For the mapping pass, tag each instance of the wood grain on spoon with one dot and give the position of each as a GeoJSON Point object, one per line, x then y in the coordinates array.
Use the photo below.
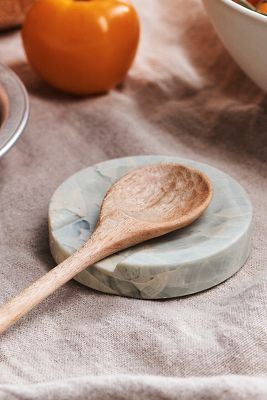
{"type": "Point", "coordinates": [147, 202]}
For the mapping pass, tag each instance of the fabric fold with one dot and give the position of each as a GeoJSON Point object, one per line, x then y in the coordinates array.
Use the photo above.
{"type": "Point", "coordinates": [128, 387]}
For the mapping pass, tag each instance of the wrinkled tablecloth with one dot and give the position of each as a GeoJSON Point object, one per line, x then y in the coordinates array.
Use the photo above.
{"type": "Point", "coordinates": [184, 96]}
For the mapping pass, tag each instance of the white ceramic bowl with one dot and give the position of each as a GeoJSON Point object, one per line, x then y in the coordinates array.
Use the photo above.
{"type": "Point", "coordinates": [244, 34]}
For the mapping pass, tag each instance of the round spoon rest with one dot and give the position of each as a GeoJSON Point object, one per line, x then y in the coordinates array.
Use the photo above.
{"type": "Point", "coordinates": [186, 261]}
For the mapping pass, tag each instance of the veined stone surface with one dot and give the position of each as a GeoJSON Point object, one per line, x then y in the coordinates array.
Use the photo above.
{"type": "Point", "coordinates": [183, 262]}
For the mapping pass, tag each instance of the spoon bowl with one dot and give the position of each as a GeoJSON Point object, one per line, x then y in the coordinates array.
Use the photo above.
{"type": "Point", "coordinates": [154, 200]}
{"type": "Point", "coordinates": [146, 203]}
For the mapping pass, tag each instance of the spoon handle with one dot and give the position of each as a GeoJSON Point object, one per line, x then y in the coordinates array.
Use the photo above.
{"type": "Point", "coordinates": [30, 297]}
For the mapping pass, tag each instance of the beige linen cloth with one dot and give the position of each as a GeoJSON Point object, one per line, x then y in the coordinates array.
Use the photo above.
{"type": "Point", "coordinates": [184, 96]}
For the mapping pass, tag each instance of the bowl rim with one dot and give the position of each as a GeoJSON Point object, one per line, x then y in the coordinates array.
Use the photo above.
{"type": "Point", "coordinates": [244, 10]}
{"type": "Point", "coordinates": [14, 108]}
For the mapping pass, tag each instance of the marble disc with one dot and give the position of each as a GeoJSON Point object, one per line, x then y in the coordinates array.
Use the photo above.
{"type": "Point", "coordinates": [186, 261]}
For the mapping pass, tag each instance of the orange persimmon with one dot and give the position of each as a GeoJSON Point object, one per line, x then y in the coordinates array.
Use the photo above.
{"type": "Point", "coordinates": [81, 46]}
{"type": "Point", "coordinates": [262, 8]}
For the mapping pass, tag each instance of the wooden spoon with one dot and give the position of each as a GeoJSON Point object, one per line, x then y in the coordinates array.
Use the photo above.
{"type": "Point", "coordinates": [147, 202]}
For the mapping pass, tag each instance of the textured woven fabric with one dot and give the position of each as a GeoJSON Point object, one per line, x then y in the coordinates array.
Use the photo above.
{"type": "Point", "coordinates": [184, 96]}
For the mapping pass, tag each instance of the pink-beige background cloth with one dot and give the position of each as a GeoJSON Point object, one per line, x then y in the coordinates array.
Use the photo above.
{"type": "Point", "coordinates": [184, 96]}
